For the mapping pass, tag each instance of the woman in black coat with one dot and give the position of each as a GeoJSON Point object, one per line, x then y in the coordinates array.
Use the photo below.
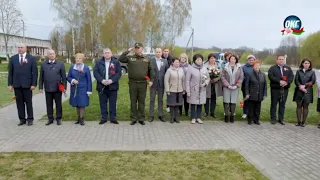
{"type": "Point", "coordinates": [303, 93]}
{"type": "Point", "coordinates": [256, 92]}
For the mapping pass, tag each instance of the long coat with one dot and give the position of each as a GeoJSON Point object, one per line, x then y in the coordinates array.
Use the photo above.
{"type": "Point", "coordinates": [196, 76]}
{"type": "Point", "coordinates": [217, 85]}
{"type": "Point", "coordinates": [256, 86]}
{"type": "Point", "coordinates": [229, 77]}
{"type": "Point", "coordinates": [84, 87]}
{"type": "Point", "coordinates": [307, 78]}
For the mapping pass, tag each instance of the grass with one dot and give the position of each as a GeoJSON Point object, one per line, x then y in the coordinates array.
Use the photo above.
{"type": "Point", "coordinates": [6, 96]}
{"type": "Point", "coordinates": [128, 165]}
{"type": "Point", "coordinates": [123, 107]}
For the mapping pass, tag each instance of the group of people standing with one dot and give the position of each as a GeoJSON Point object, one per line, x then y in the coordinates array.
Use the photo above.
{"type": "Point", "coordinates": [188, 86]}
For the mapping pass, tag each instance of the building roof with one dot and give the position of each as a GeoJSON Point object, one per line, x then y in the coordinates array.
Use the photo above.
{"type": "Point", "coordinates": [27, 37]}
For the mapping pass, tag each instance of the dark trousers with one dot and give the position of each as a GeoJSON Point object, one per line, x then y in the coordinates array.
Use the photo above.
{"type": "Point", "coordinates": [196, 110]}
{"type": "Point", "coordinates": [275, 100]}
{"type": "Point", "coordinates": [185, 104]}
{"type": "Point", "coordinates": [108, 96]}
{"type": "Point", "coordinates": [23, 101]}
{"type": "Point", "coordinates": [138, 92]}
{"type": "Point", "coordinates": [254, 109]}
{"type": "Point", "coordinates": [245, 103]}
{"type": "Point", "coordinates": [153, 93]}
{"type": "Point", "coordinates": [56, 97]}
{"type": "Point", "coordinates": [211, 102]}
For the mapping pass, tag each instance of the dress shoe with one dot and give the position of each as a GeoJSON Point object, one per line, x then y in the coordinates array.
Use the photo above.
{"type": "Point", "coordinates": [133, 122]}
{"type": "Point", "coordinates": [213, 115]}
{"type": "Point", "coordinates": [303, 125]}
{"type": "Point", "coordinates": [22, 123]}
{"type": "Point", "coordinates": [176, 120]}
{"type": "Point", "coordinates": [257, 123]}
{"type": "Point", "coordinates": [30, 123]}
{"type": "Point", "coordinates": [206, 115]}
{"type": "Point", "coordinates": [172, 120]}
{"type": "Point", "coordinates": [151, 119]}
{"type": "Point", "coordinates": [298, 124]}
{"type": "Point", "coordinates": [281, 122]}
{"type": "Point", "coordinates": [162, 119]}
{"type": "Point", "coordinates": [49, 122]}
{"type": "Point", "coordinates": [58, 122]}
{"type": "Point", "coordinates": [102, 122]}
{"type": "Point", "coordinates": [273, 122]}
{"type": "Point", "coordinates": [249, 122]}
{"type": "Point", "coordinates": [142, 123]}
{"type": "Point", "coordinates": [114, 122]}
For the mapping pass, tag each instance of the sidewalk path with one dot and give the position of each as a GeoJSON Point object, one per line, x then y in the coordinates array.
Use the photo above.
{"type": "Point", "coordinates": [279, 152]}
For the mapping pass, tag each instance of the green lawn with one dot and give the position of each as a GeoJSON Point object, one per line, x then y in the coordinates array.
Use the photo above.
{"type": "Point", "coordinates": [128, 165]}
{"type": "Point", "coordinates": [6, 96]}
{"type": "Point", "coordinates": [123, 105]}
{"type": "Point", "coordinates": [3, 67]}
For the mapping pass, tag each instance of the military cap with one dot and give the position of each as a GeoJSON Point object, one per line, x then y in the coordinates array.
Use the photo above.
{"type": "Point", "coordinates": [138, 45]}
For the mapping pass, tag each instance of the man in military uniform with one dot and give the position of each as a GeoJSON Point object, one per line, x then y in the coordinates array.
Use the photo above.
{"type": "Point", "coordinates": [139, 66]}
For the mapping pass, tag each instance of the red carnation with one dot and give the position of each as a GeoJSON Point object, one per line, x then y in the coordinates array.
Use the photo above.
{"type": "Point", "coordinates": [241, 104]}
{"type": "Point", "coordinates": [285, 78]}
{"type": "Point", "coordinates": [237, 81]}
{"type": "Point", "coordinates": [309, 84]}
{"type": "Point", "coordinates": [147, 78]}
{"type": "Point", "coordinates": [80, 70]}
{"type": "Point", "coordinates": [14, 97]}
{"type": "Point", "coordinates": [112, 72]}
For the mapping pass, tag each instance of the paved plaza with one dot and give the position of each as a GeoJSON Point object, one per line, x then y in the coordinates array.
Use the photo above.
{"type": "Point", "coordinates": [279, 152]}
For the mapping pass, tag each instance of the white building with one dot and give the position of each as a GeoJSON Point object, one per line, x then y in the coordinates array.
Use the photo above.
{"type": "Point", "coordinates": [36, 47]}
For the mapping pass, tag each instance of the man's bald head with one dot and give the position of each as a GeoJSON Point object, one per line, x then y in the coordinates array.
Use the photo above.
{"type": "Point", "coordinates": [22, 48]}
{"type": "Point", "coordinates": [51, 54]}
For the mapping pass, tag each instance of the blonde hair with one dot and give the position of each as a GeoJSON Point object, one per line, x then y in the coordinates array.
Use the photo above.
{"type": "Point", "coordinates": [80, 55]}
{"type": "Point", "coordinates": [185, 56]}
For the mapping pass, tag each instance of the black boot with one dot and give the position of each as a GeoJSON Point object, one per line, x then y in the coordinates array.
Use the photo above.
{"type": "Point", "coordinates": [226, 119]}
{"type": "Point", "coordinates": [172, 114]}
{"type": "Point", "coordinates": [78, 120]}
{"type": "Point", "coordinates": [176, 119]}
{"type": "Point", "coordinates": [81, 122]}
{"type": "Point", "coordinates": [232, 118]}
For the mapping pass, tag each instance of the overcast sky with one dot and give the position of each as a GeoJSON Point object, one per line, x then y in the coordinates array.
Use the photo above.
{"type": "Point", "coordinates": [222, 23]}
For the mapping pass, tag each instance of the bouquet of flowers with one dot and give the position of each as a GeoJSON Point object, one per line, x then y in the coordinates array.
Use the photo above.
{"type": "Point", "coordinates": [213, 73]}
{"type": "Point", "coordinates": [283, 78]}
{"type": "Point", "coordinates": [62, 89]}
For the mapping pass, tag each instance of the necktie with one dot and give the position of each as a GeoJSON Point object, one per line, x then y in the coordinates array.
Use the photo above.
{"type": "Point", "coordinates": [281, 70]}
{"type": "Point", "coordinates": [21, 59]}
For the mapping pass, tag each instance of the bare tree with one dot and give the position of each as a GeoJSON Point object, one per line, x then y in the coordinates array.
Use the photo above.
{"type": "Point", "coordinates": [10, 20]}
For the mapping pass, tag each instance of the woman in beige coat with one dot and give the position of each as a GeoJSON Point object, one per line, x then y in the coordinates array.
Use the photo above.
{"type": "Point", "coordinates": [174, 87]}
{"type": "Point", "coordinates": [231, 77]}
{"type": "Point", "coordinates": [197, 79]}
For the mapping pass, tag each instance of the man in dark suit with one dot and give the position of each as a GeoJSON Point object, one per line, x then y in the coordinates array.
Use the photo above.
{"type": "Point", "coordinates": [22, 78]}
{"type": "Point", "coordinates": [107, 72]}
{"type": "Point", "coordinates": [166, 55]}
{"type": "Point", "coordinates": [159, 68]}
{"type": "Point", "coordinates": [52, 73]}
{"type": "Point", "coordinates": [281, 77]}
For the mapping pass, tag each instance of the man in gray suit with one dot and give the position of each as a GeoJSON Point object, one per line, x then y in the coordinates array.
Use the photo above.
{"type": "Point", "coordinates": [52, 74]}
{"type": "Point", "coordinates": [160, 67]}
